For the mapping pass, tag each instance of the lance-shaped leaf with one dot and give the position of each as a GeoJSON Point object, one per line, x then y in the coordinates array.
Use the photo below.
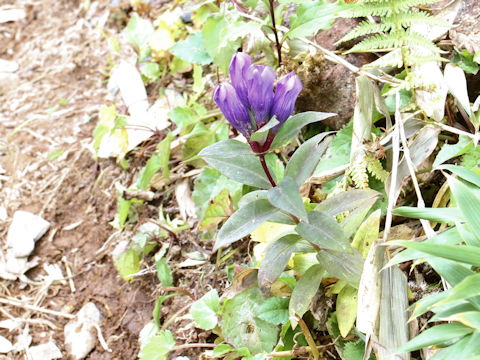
{"type": "Point", "coordinates": [286, 196]}
{"type": "Point", "coordinates": [343, 265]}
{"type": "Point", "coordinates": [346, 309]}
{"type": "Point", "coordinates": [443, 215]}
{"type": "Point", "coordinates": [345, 201]}
{"type": "Point", "coordinates": [323, 231]}
{"type": "Point", "coordinates": [243, 222]}
{"type": "Point", "coordinates": [276, 258]}
{"type": "Point", "coordinates": [294, 123]}
{"type": "Point", "coordinates": [306, 158]}
{"type": "Point", "coordinates": [467, 201]}
{"type": "Point", "coordinates": [304, 292]}
{"type": "Point", "coordinates": [226, 149]}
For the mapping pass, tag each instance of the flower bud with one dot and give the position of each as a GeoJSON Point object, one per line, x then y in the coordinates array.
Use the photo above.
{"type": "Point", "coordinates": [232, 108]}
{"type": "Point", "coordinates": [238, 70]}
{"type": "Point", "coordinates": [260, 81]}
{"type": "Point", "coordinates": [288, 89]}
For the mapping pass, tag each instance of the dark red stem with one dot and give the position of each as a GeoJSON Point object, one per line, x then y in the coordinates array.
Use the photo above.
{"type": "Point", "coordinates": [265, 168]}
{"type": "Point", "coordinates": [274, 28]}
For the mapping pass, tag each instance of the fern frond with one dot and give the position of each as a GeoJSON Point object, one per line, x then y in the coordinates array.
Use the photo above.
{"type": "Point", "coordinates": [372, 9]}
{"type": "Point", "coordinates": [375, 168]}
{"type": "Point", "coordinates": [393, 59]}
{"type": "Point", "coordinates": [365, 28]}
{"type": "Point", "coordinates": [412, 17]}
{"type": "Point", "coordinates": [358, 173]}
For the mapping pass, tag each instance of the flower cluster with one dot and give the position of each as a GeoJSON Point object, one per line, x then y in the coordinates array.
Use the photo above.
{"type": "Point", "coordinates": [249, 102]}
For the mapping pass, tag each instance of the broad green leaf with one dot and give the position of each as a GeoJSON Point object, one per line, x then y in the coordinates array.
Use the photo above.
{"type": "Point", "coordinates": [241, 325]}
{"type": "Point", "coordinates": [436, 335]}
{"type": "Point", "coordinates": [158, 161]}
{"type": "Point", "coordinates": [425, 304]}
{"type": "Point", "coordinates": [209, 184]}
{"type": "Point", "coordinates": [465, 61]}
{"type": "Point", "coordinates": [465, 254]}
{"type": "Point", "coordinates": [219, 209]}
{"type": "Point", "coordinates": [286, 197]}
{"type": "Point", "coordinates": [276, 258]}
{"type": "Point", "coordinates": [204, 310]}
{"type": "Point", "coordinates": [138, 31]}
{"type": "Point", "coordinates": [185, 119]}
{"type": "Point", "coordinates": [221, 349]}
{"type": "Point", "coordinates": [468, 203]}
{"type": "Point", "coordinates": [312, 17]}
{"type": "Point", "coordinates": [345, 201]}
{"type": "Point", "coordinates": [445, 311]}
{"type": "Point", "coordinates": [456, 351]}
{"type": "Point", "coordinates": [323, 231]}
{"type": "Point", "coordinates": [356, 217]}
{"type": "Point", "coordinates": [157, 347]}
{"type": "Point", "coordinates": [243, 222]}
{"type": "Point", "coordinates": [304, 292]}
{"type": "Point", "coordinates": [338, 153]}
{"type": "Point", "coordinates": [294, 123]}
{"type": "Point", "coordinates": [342, 265]}
{"type": "Point", "coordinates": [450, 151]}
{"type": "Point", "coordinates": [367, 233]}
{"type": "Point", "coordinates": [467, 288]}
{"type": "Point", "coordinates": [443, 215]}
{"type": "Point", "coordinates": [305, 159]}
{"type": "Point", "coordinates": [199, 138]}
{"type": "Point", "coordinates": [346, 309]}
{"type": "Point", "coordinates": [127, 264]}
{"type": "Point", "coordinates": [151, 71]}
{"type": "Point", "coordinates": [192, 49]}
{"type": "Point", "coordinates": [274, 310]}
{"type": "Point", "coordinates": [164, 273]}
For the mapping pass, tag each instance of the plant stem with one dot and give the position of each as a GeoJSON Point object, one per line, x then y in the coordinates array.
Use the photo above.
{"type": "Point", "coordinates": [274, 28]}
{"type": "Point", "coordinates": [265, 168]}
{"type": "Point", "coordinates": [309, 338]}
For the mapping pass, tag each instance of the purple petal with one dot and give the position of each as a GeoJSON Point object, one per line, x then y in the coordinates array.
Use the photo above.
{"type": "Point", "coordinates": [235, 112]}
{"type": "Point", "coordinates": [238, 69]}
{"type": "Point", "coordinates": [288, 89]}
{"type": "Point", "coordinates": [260, 81]}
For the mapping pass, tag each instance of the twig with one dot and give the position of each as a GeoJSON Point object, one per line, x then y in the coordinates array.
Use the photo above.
{"type": "Point", "coordinates": [190, 346]}
{"type": "Point", "coordinates": [69, 274]}
{"type": "Point", "coordinates": [101, 338]}
{"type": "Point", "coordinates": [309, 338]}
{"type": "Point", "coordinates": [36, 308]}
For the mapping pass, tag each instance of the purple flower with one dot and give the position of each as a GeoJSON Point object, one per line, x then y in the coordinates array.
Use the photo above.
{"type": "Point", "coordinates": [239, 66]}
{"type": "Point", "coordinates": [249, 102]}
{"type": "Point", "coordinates": [235, 112]}
{"type": "Point", "coordinates": [260, 81]}
{"type": "Point", "coordinates": [288, 89]}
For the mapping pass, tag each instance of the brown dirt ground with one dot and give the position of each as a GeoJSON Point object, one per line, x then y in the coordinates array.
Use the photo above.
{"type": "Point", "coordinates": [61, 54]}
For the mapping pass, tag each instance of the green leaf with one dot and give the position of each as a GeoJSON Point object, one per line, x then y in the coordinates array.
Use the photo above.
{"type": "Point", "coordinates": [467, 288]}
{"type": "Point", "coordinates": [346, 309]}
{"type": "Point", "coordinates": [241, 325]}
{"type": "Point", "coordinates": [243, 222]}
{"type": "Point", "coordinates": [158, 306]}
{"type": "Point", "coordinates": [151, 71]}
{"type": "Point", "coordinates": [274, 310]}
{"type": "Point", "coordinates": [209, 184]}
{"type": "Point", "coordinates": [436, 335]}
{"type": "Point", "coordinates": [204, 310]}
{"type": "Point", "coordinates": [465, 254]}
{"type": "Point", "coordinates": [367, 233]}
{"type": "Point", "coordinates": [286, 197]}
{"type": "Point", "coordinates": [468, 202]}
{"type": "Point", "coordinates": [345, 201]}
{"type": "Point", "coordinates": [127, 263]}
{"type": "Point", "coordinates": [261, 134]}
{"type": "Point", "coordinates": [221, 349]}
{"type": "Point", "coordinates": [442, 215]}
{"type": "Point", "coordinates": [158, 161]}
{"type": "Point", "coordinates": [338, 153]}
{"type": "Point", "coordinates": [219, 209]}
{"type": "Point", "coordinates": [304, 292]}
{"type": "Point", "coordinates": [138, 31]}
{"type": "Point", "coordinates": [465, 61]}
{"type": "Point", "coordinates": [342, 265]}
{"type": "Point", "coordinates": [294, 123]}
{"type": "Point", "coordinates": [450, 151]}
{"type": "Point", "coordinates": [463, 173]}
{"type": "Point", "coordinates": [164, 273]}
{"type": "Point", "coordinates": [312, 17]}
{"type": "Point", "coordinates": [157, 347]}
{"type": "Point", "coordinates": [305, 159]}
{"type": "Point", "coordinates": [276, 257]}
{"type": "Point", "coordinates": [323, 231]}
{"type": "Point", "coordinates": [192, 49]}
{"type": "Point", "coordinates": [355, 218]}
{"type": "Point", "coordinates": [199, 138]}
{"type": "Point", "coordinates": [184, 117]}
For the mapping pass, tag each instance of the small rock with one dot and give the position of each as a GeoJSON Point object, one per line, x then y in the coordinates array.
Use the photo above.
{"type": "Point", "coordinates": [46, 351]}
{"type": "Point", "coordinates": [80, 333]}
{"type": "Point", "coordinates": [26, 228]}
{"type": "Point", "coordinates": [8, 82]}
{"type": "Point", "coordinates": [5, 345]}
